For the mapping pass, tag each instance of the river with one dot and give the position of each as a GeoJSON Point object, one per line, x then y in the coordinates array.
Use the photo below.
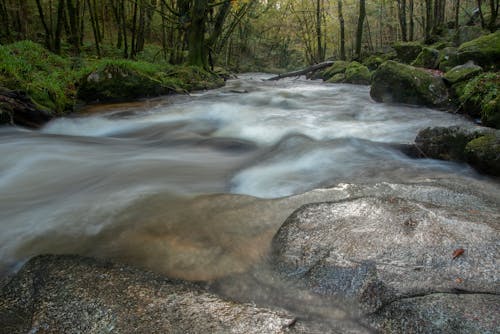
{"type": "Point", "coordinates": [196, 186]}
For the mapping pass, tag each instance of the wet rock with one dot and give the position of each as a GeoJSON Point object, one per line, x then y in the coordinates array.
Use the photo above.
{"type": "Point", "coordinates": [400, 83]}
{"type": "Point", "coordinates": [338, 67]}
{"type": "Point", "coordinates": [71, 294]}
{"type": "Point", "coordinates": [484, 51]}
{"type": "Point", "coordinates": [428, 58]}
{"type": "Point", "coordinates": [394, 256]}
{"type": "Point", "coordinates": [441, 313]}
{"type": "Point", "coordinates": [337, 78]}
{"type": "Point", "coordinates": [407, 52]}
{"type": "Point", "coordinates": [484, 153]}
{"type": "Point", "coordinates": [17, 108]}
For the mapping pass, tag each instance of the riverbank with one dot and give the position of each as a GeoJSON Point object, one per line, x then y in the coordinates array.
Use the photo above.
{"type": "Point", "coordinates": [55, 86]}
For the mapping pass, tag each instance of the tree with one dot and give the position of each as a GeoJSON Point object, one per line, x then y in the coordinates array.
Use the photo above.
{"type": "Point", "coordinates": [359, 30]}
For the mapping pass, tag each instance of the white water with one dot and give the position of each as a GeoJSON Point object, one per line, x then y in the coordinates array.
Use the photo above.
{"type": "Point", "coordinates": [137, 181]}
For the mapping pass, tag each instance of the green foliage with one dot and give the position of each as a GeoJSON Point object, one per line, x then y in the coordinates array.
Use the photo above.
{"type": "Point", "coordinates": [46, 77]}
{"type": "Point", "coordinates": [481, 97]}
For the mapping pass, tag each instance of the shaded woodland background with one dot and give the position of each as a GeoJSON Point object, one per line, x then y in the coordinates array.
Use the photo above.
{"type": "Point", "coordinates": [241, 35]}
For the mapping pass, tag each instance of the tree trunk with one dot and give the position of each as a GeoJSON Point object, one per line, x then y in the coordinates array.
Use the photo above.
{"type": "Point", "coordinates": [48, 32]}
{"type": "Point", "coordinates": [93, 21]}
{"type": "Point", "coordinates": [428, 20]}
{"type": "Point", "coordinates": [359, 30]}
{"type": "Point", "coordinates": [402, 19]}
{"type": "Point", "coordinates": [494, 15]}
{"type": "Point", "coordinates": [197, 55]}
{"type": "Point", "coordinates": [319, 49]}
{"type": "Point", "coordinates": [342, 30]}
{"type": "Point", "coordinates": [312, 68]}
{"type": "Point", "coordinates": [59, 26]}
{"type": "Point", "coordinates": [4, 15]}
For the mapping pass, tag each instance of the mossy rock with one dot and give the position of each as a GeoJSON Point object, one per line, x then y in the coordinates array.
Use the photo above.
{"type": "Point", "coordinates": [445, 143]}
{"type": "Point", "coordinates": [484, 51]}
{"type": "Point", "coordinates": [373, 62]}
{"type": "Point", "coordinates": [462, 73]}
{"type": "Point", "coordinates": [484, 153]}
{"type": "Point", "coordinates": [337, 67]}
{"type": "Point", "coordinates": [480, 98]}
{"type": "Point", "coordinates": [120, 81]}
{"type": "Point", "coordinates": [466, 34]}
{"type": "Point", "coordinates": [357, 73]}
{"type": "Point", "coordinates": [428, 58]}
{"type": "Point", "coordinates": [448, 59]}
{"type": "Point", "coordinates": [337, 78]}
{"type": "Point", "coordinates": [407, 52]}
{"type": "Point", "coordinates": [399, 83]}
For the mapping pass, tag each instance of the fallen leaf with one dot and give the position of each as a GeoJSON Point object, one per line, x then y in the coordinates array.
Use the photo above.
{"type": "Point", "coordinates": [457, 252]}
{"type": "Point", "coordinates": [458, 280]}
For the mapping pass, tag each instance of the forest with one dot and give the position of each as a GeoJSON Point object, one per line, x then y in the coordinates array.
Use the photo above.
{"type": "Point", "coordinates": [240, 35]}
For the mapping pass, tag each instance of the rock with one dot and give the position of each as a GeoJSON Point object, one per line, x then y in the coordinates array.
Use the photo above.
{"type": "Point", "coordinates": [373, 62]}
{"type": "Point", "coordinates": [357, 74]}
{"type": "Point", "coordinates": [428, 58]}
{"type": "Point", "coordinates": [484, 51]}
{"type": "Point", "coordinates": [72, 294]}
{"type": "Point", "coordinates": [400, 83]}
{"type": "Point", "coordinates": [468, 33]}
{"type": "Point", "coordinates": [394, 255]}
{"type": "Point", "coordinates": [480, 147]}
{"type": "Point", "coordinates": [446, 143]}
{"type": "Point", "coordinates": [462, 73]}
{"type": "Point", "coordinates": [17, 108]}
{"type": "Point", "coordinates": [440, 313]}
{"type": "Point", "coordinates": [338, 66]}
{"type": "Point", "coordinates": [484, 153]}
{"type": "Point", "coordinates": [337, 78]}
{"type": "Point", "coordinates": [407, 51]}
{"type": "Point", "coordinates": [480, 97]}
{"type": "Point", "coordinates": [448, 59]}
{"type": "Point", "coordinates": [119, 82]}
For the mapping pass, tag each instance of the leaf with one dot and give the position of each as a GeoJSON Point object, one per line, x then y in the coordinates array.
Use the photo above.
{"type": "Point", "coordinates": [457, 252]}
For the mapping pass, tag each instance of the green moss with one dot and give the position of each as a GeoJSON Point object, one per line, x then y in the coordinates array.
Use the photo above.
{"type": "Point", "coordinates": [462, 73]}
{"type": "Point", "coordinates": [337, 78]}
{"type": "Point", "coordinates": [428, 58]}
{"type": "Point", "coordinates": [46, 77]}
{"type": "Point", "coordinates": [407, 51]}
{"type": "Point", "coordinates": [484, 153]}
{"type": "Point", "coordinates": [396, 82]}
{"type": "Point", "coordinates": [357, 74]}
{"type": "Point", "coordinates": [481, 98]}
{"type": "Point", "coordinates": [337, 67]}
{"type": "Point", "coordinates": [373, 62]}
{"type": "Point", "coordinates": [484, 51]}
{"type": "Point", "coordinates": [448, 59]}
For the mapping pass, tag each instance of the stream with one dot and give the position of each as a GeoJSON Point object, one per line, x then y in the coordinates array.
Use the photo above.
{"type": "Point", "coordinates": [196, 186]}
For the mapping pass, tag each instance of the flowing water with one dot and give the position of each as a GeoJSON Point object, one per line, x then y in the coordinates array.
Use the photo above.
{"type": "Point", "coordinates": [196, 186]}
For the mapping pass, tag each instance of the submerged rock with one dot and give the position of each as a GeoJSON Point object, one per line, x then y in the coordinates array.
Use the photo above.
{"type": "Point", "coordinates": [71, 294]}
{"type": "Point", "coordinates": [395, 256]}
{"type": "Point", "coordinates": [400, 83]}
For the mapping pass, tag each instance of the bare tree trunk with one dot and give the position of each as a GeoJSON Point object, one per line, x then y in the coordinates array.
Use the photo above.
{"type": "Point", "coordinates": [359, 30]}
{"type": "Point", "coordinates": [93, 21]}
{"type": "Point", "coordinates": [48, 32]}
{"type": "Point", "coordinates": [342, 30]}
{"type": "Point", "coordinates": [428, 20]}
{"type": "Point", "coordinates": [319, 49]}
{"type": "Point", "coordinates": [412, 20]}
{"type": "Point", "coordinates": [59, 26]}
{"type": "Point", "coordinates": [494, 15]}
{"type": "Point", "coordinates": [402, 19]}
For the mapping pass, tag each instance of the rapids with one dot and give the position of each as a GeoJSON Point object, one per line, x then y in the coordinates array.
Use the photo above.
{"type": "Point", "coordinates": [196, 186]}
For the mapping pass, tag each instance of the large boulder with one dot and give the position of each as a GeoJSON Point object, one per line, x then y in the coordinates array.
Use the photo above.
{"type": "Point", "coordinates": [462, 73]}
{"type": "Point", "coordinates": [357, 73]}
{"type": "Point", "coordinates": [480, 147]}
{"type": "Point", "coordinates": [428, 58]}
{"type": "Point", "coordinates": [18, 109]}
{"type": "Point", "coordinates": [407, 52]}
{"type": "Point", "coordinates": [468, 33]}
{"type": "Point", "coordinates": [71, 294]}
{"type": "Point", "coordinates": [480, 97]}
{"type": "Point", "coordinates": [448, 59]}
{"type": "Point", "coordinates": [400, 83]}
{"type": "Point", "coordinates": [484, 51]}
{"type": "Point", "coordinates": [338, 67]}
{"type": "Point", "coordinates": [403, 258]}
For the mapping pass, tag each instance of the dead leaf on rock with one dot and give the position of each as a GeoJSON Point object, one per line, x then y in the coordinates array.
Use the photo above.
{"type": "Point", "coordinates": [457, 252]}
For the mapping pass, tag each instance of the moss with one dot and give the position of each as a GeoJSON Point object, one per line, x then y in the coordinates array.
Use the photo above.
{"type": "Point", "coordinates": [357, 74]}
{"type": "Point", "coordinates": [428, 58]}
{"type": "Point", "coordinates": [484, 51]}
{"type": "Point", "coordinates": [337, 67]}
{"type": "Point", "coordinates": [46, 77]}
{"type": "Point", "coordinates": [407, 51]}
{"type": "Point", "coordinates": [395, 82]}
{"type": "Point", "coordinates": [373, 62]}
{"type": "Point", "coordinates": [337, 78]}
{"type": "Point", "coordinates": [462, 73]}
{"type": "Point", "coordinates": [481, 98]}
{"type": "Point", "coordinates": [484, 153]}
{"type": "Point", "coordinates": [448, 59]}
